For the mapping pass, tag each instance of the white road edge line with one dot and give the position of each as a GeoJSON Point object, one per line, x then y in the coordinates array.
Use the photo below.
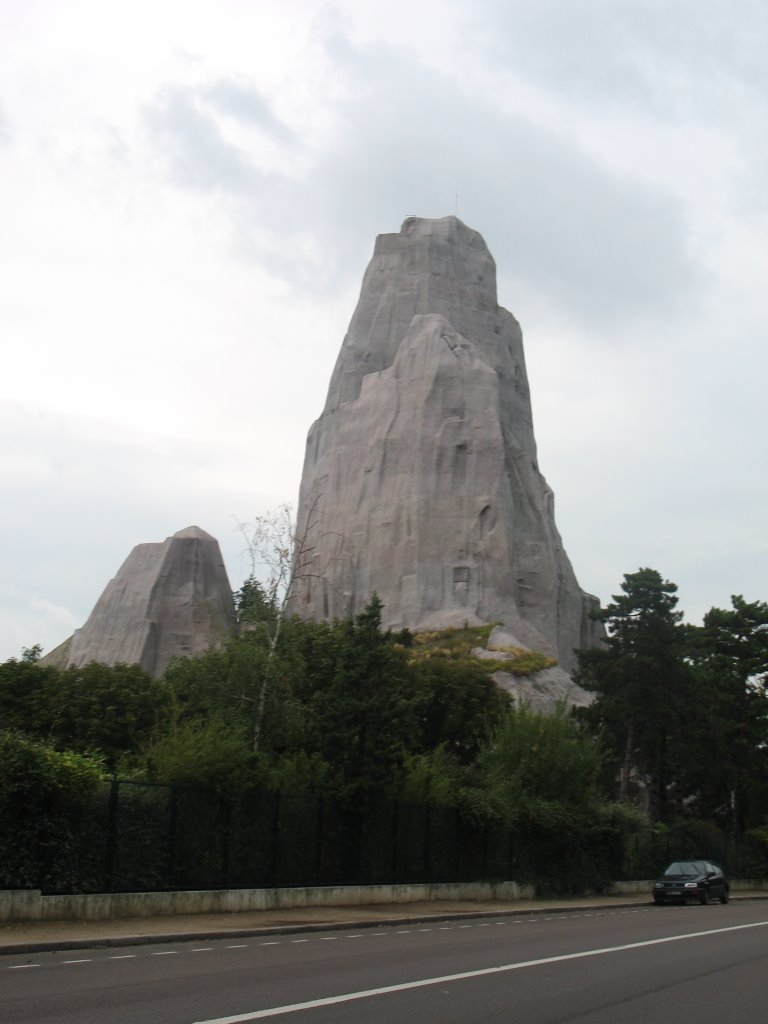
{"type": "Point", "coordinates": [347, 997]}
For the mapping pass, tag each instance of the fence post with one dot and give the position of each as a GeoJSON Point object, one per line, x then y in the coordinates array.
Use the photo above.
{"type": "Point", "coordinates": [173, 824]}
{"type": "Point", "coordinates": [427, 836]}
{"type": "Point", "coordinates": [275, 839]}
{"type": "Point", "coordinates": [395, 839]}
{"type": "Point", "coordinates": [226, 832]}
{"type": "Point", "coordinates": [110, 858]}
{"type": "Point", "coordinates": [319, 841]}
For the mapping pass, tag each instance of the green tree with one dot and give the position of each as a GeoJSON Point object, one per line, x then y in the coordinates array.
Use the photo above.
{"type": "Point", "coordinates": [100, 708]}
{"type": "Point", "coordinates": [364, 721]}
{"type": "Point", "coordinates": [205, 753]}
{"type": "Point", "coordinates": [255, 608]}
{"type": "Point", "coordinates": [643, 687]}
{"type": "Point", "coordinates": [288, 556]}
{"type": "Point", "coordinates": [726, 774]}
{"type": "Point", "coordinates": [48, 800]}
{"type": "Point", "coordinates": [541, 770]}
{"type": "Point", "coordinates": [228, 683]}
{"type": "Point", "coordinates": [459, 704]}
{"type": "Point", "coordinates": [22, 687]}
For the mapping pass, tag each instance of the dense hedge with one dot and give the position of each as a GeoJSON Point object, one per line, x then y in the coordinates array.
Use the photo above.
{"type": "Point", "coordinates": [128, 836]}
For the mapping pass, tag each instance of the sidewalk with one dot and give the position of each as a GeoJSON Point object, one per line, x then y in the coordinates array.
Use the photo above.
{"type": "Point", "coordinates": [39, 936]}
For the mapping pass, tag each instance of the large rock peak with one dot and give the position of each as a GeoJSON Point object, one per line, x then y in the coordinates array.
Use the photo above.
{"type": "Point", "coordinates": [168, 599]}
{"type": "Point", "coordinates": [430, 266]}
{"type": "Point", "coordinates": [420, 478]}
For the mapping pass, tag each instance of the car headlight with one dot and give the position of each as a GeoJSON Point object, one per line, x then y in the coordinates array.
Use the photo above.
{"type": "Point", "coordinates": [691, 885]}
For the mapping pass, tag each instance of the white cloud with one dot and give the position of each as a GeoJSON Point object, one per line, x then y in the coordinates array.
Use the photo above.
{"type": "Point", "coordinates": [191, 192]}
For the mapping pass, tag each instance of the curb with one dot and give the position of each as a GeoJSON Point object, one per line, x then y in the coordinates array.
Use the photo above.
{"type": "Point", "coordinates": [47, 946]}
{"type": "Point", "coordinates": [54, 945]}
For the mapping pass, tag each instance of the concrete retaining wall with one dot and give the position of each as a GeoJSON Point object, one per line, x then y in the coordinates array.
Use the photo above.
{"type": "Point", "coordinates": [33, 906]}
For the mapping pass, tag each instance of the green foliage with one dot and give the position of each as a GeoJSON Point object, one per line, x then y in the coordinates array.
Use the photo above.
{"type": "Point", "coordinates": [204, 753]}
{"type": "Point", "coordinates": [31, 654]}
{"type": "Point", "coordinates": [46, 795]}
{"type": "Point", "coordinates": [224, 681]}
{"type": "Point", "coordinates": [683, 706]}
{"type": "Point", "coordinates": [110, 709]}
{"type": "Point", "coordinates": [431, 778]}
{"type": "Point", "coordinates": [459, 644]}
{"type": "Point", "coordinates": [364, 719]}
{"type": "Point", "coordinates": [35, 770]}
{"type": "Point", "coordinates": [298, 774]}
{"type": "Point", "coordinates": [541, 770]}
{"type": "Point", "coordinates": [451, 641]}
{"type": "Point", "coordinates": [729, 660]}
{"type": "Point", "coordinates": [458, 704]}
{"type": "Point", "coordinates": [376, 726]}
{"type": "Point", "coordinates": [254, 607]}
{"type": "Point", "coordinates": [643, 685]}
{"type": "Point", "coordinates": [23, 685]}
{"type": "Point", "coordinates": [525, 663]}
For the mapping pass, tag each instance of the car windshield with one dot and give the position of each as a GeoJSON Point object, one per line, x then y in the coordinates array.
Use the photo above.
{"type": "Point", "coordinates": [686, 867]}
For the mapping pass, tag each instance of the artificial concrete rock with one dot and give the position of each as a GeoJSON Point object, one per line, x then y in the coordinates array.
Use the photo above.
{"type": "Point", "coordinates": [167, 600]}
{"type": "Point", "coordinates": [421, 480]}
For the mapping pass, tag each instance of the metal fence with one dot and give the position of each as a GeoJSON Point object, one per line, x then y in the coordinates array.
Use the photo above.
{"type": "Point", "coordinates": [141, 837]}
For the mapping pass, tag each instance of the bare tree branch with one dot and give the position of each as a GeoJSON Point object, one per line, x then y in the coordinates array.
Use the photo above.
{"type": "Point", "coordinates": [273, 543]}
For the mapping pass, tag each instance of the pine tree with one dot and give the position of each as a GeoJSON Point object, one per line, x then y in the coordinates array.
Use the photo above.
{"type": "Point", "coordinates": [642, 684]}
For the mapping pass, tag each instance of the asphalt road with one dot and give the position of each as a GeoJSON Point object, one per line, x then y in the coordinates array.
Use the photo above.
{"type": "Point", "coordinates": [644, 964]}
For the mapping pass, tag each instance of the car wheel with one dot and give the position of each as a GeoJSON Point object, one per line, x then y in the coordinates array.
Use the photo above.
{"type": "Point", "coordinates": [658, 901]}
{"type": "Point", "coordinates": [725, 895]}
{"type": "Point", "coordinates": [705, 898]}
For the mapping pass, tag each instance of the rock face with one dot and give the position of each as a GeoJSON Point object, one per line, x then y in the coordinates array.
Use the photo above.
{"type": "Point", "coordinates": [420, 478]}
{"type": "Point", "coordinates": [168, 599]}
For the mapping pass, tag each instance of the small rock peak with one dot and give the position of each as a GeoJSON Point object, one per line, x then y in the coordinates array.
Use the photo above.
{"type": "Point", "coordinates": [168, 599]}
{"type": "Point", "coordinates": [192, 533]}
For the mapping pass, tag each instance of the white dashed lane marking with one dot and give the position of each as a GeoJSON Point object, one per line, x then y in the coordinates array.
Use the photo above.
{"type": "Point", "coordinates": [372, 933]}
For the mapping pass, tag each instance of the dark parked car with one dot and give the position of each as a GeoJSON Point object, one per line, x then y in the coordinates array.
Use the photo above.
{"type": "Point", "coordinates": [691, 880]}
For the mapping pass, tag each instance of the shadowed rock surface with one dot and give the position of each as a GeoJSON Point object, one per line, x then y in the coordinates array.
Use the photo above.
{"type": "Point", "coordinates": [167, 600]}
{"type": "Point", "coordinates": [420, 479]}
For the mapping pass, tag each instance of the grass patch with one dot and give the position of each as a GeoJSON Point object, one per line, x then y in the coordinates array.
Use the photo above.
{"type": "Point", "coordinates": [458, 643]}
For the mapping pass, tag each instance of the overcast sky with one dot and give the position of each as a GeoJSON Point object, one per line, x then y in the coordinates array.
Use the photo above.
{"type": "Point", "coordinates": [190, 193]}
